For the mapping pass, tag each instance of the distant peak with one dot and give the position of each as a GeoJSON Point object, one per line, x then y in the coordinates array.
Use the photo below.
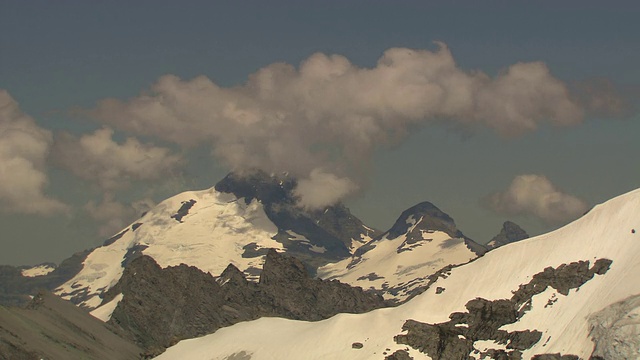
{"type": "Point", "coordinates": [510, 232]}
{"type": "Point", "coordinates": [428, 216]}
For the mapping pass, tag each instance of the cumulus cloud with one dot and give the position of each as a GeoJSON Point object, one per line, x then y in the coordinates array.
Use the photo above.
{"type": "Point", "coordinates": [97, 157]}
{"type": "Point", "coordinates": [321, 189]}
{"type": "Point", "coordinates": [330, 114]}
{"type": "Point", "coordinates": [535, 195]}
{"type": "Point", "coordinates": [24, 148]}
{"type": "Point", "coordinates": [112, 216]}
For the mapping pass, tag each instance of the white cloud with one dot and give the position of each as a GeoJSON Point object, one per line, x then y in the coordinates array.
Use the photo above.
{"type": "Point", "coordinates": [322, 189]}
{"type": "Point", "coordinates": [535, 195]}
{"type": "Point", "coordinates": [97, 157]}
{"type": "Point", "coordinates": [24, 148]}
{"type": "Point", "coordinates": [331, 114]}
{"type": "Point", "coordinates": [112, 216]}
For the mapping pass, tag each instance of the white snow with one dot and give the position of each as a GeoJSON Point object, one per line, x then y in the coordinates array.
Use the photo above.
{"type": "Point", "coordinates": [409, 268]}
{"type": "Point", "coordinates": [364, 238]}
{"type": "Point", "coordinates": [294, 236]}
{"type": "Point", "coordinates": [104, 312]}
{"type": "Point", "coordinates": [605, 232]}
{"type": "Point", "coordinates": [209, 237]}
{"type": "Point", "coordinates": [39, 270]}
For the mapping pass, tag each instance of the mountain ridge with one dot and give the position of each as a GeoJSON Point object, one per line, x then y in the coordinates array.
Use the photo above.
{"type": "Point", "coordinates": [571, 321]}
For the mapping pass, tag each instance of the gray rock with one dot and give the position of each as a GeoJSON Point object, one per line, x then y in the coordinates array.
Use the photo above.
{"type": "Point", "coordinates": [184, 210]}
{"type": "Point", "coordinates": [163, 306]}
{"type": "Point", "coordinates": [484, 318]}
{"type": "Point", "coordinates": [52, 328]}
{"type": "Point", "coordinates": [615, 330]}
{"type": "Point", "coordinates": [509, 233]}
{"type": "Point", "coordinates": [399, 355]}
{"type": "Point", "coordinates": [557, 356]}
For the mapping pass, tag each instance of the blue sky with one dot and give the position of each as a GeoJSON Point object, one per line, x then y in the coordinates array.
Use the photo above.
{"type": "Point", "coordinates": [59, 60]}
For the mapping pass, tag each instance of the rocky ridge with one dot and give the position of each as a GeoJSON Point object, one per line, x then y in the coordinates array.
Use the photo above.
{"type": "Point", "coordinates": [455, 338]}
{"type": "Point", "coordinates": [161, 306]}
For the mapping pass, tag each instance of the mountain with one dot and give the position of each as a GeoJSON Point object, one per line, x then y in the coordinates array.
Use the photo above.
{"type": "Point", "coordinates": [510, 232]}
{"type": "Point", "coordinates": [18, 283]}
{"type": "Point", "coordinates": [400, 262]}
{"type": "Point", "coordinates": [157, 307]}
{"type": "Point", "coordinates": [572, 293]}
{"type": "Point", "coordinates": [51, 328]}
{"type": "Point", "coordinates": [235, 222]}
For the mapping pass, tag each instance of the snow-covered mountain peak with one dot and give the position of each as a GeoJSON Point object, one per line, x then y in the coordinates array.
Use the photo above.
{"type": "Point", "coordinates": [423, 216]}
{"type": "Point", "coordinates": [206, 229]}
{"type": "Point", "coordinates": [235, 222]}
{"type": "Point", "coordinates": [398, 263]}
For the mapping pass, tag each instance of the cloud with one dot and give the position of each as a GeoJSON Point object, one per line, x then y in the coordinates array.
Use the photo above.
{"type": "Point", "coordinates": [330, 114]}
{"type": "Point", "coordinates": [112, 216]}
{"type": "Point", "coordinates": [321, 189]}
{"type": "Point", "coordinates": [24, 148]}
{"type": "Point", "coordinates": [601, 98]}
{"type": "Point", "coordinates": [535, 195]}
{"type": "Point", "coordinates": [98, 158]}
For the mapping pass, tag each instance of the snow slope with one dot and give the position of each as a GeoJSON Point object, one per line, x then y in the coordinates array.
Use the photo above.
{"type": "Point", "coordinates": [398, 265]}
{"type": "Point", "coordinates": [210, 235]}
{"type": "Point", "coordinates": [610, 230]}
{"type": "Point", "coordinates": [38, 270]}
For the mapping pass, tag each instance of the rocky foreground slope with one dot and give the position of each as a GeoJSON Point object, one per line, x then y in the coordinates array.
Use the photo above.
{"type": "Point", "coordinates": [51, 328]}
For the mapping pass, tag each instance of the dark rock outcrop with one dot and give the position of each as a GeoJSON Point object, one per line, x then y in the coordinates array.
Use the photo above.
{"type": "Point", "coordinates": [556, 356]}
{"type": "Point", "coordinates": [162, 306]}
{"type": "Point", "coordinates": [184, 210]}
{"type": "Point", "coordinates": [484, 318]}
{"type": "Point", "coordinates": [399, 355]}
{"type": "Point", "coordinates": [509, 233]}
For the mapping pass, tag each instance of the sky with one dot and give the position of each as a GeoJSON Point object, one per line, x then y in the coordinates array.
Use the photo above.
{"type": "Point", "coordinates": [492, 111]}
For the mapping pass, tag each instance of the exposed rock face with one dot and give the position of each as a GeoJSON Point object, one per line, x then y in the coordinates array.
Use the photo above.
{"type": "Point", "coordinates": [52, 328]}
{"type": "Point", "coordinates": [510, 232]}
{"type": "Point", "coordinates": [15, 288]}
{"type": "Point", "coordinates": [162, 306]}
{"type": "Point", "coordinates": [615, 330]}
{"type": "Point", "coordinates": [399, 355]}
{"type": "Point", "coordinates": [334, 228]}
{"type": "Point", "coordinates": [455, 338]}
{"type": "Point", "coordinates": [554, 357]}
{"type": "Point", "coordinates": [183, 211]}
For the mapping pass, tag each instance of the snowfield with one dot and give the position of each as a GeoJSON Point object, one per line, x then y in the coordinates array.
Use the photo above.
{"type": "Point", "coordinates": [39, 270]}
{"type": "Point", "coordinates": [210, 236]}
{"type": "Point", "coordinates": [607, 303]}
{"type": "Point", "coordinates": [397, 265]}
